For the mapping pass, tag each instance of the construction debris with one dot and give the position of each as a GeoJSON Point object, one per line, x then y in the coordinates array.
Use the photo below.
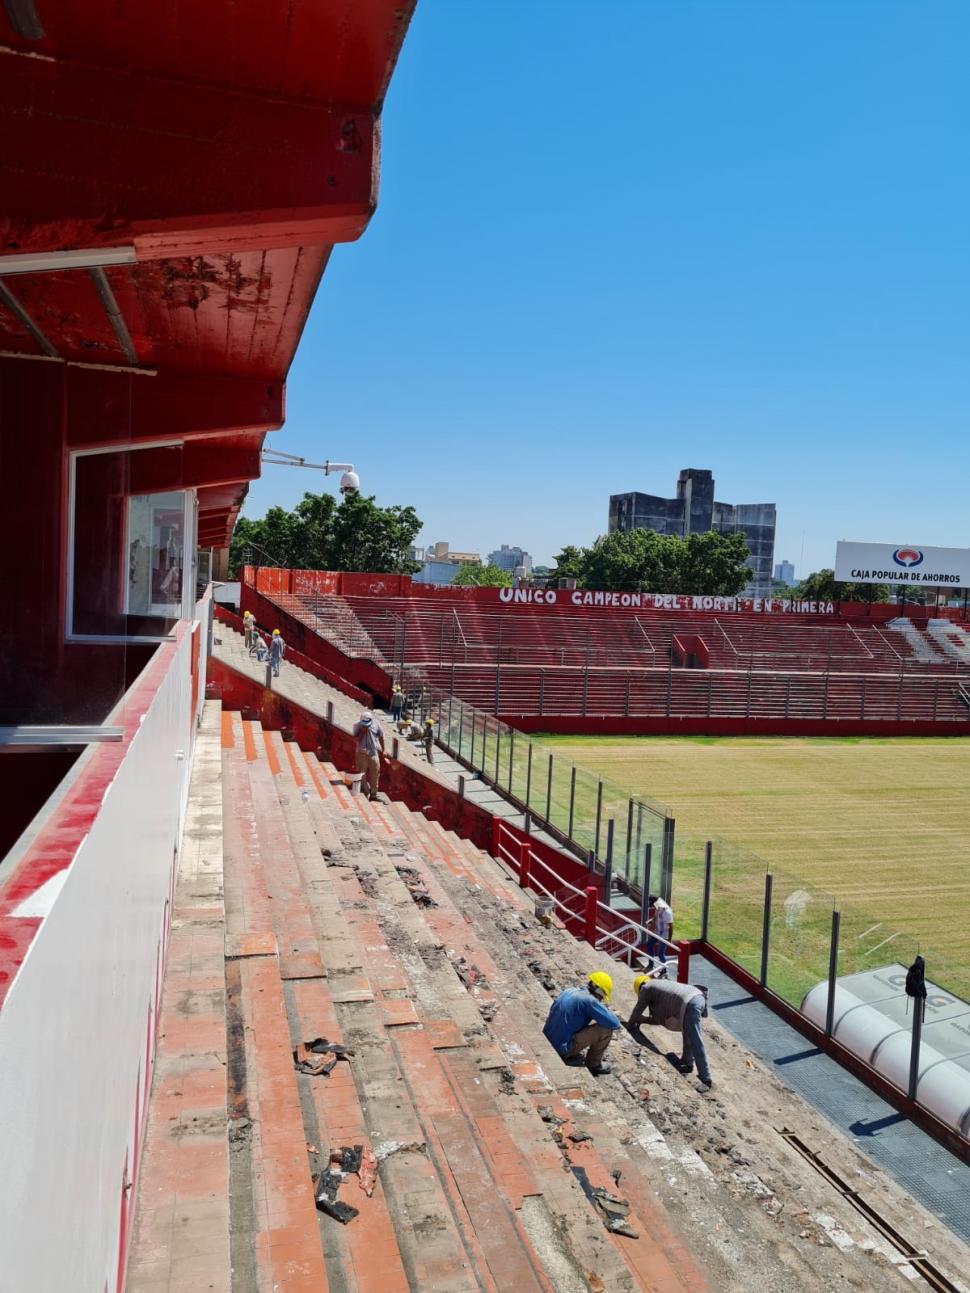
{"type": "Point", "coordinates": [309, 1057]}
{"type": "Point", "coordinates": [415, 886]}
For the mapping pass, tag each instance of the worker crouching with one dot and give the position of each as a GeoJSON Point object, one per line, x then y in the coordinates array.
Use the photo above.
{"type": "Point", "coordinates": [580, 1027]}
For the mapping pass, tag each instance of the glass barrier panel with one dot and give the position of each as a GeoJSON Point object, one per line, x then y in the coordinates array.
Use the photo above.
{"type": "Point", "coordinates": [737, 904]}
{"type": "Point", "coordinates": [687, 886]}
{"type": "Point", "coordinates": [800, 937]}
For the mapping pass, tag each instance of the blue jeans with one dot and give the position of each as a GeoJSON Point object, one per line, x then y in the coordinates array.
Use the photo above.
{"type": "Point", "coordinates": [657, 949]}
{"type": "Point", "coordinates": [694, 1051]}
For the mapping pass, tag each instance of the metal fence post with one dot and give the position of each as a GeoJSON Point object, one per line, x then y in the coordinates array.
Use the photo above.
{"type": "Point", "coordinates": [461, 787]}
{"type": "Point", "coordinates": [765, 930]}
{"type": "Point", "coordinates": [511, 755]}
{"type": "Point", "coordinates": [645, 895]}
{"type": "Point", "coordinates": [471, 757]}
{"type": "Point", "coordinates": [599, 814]}
{"type": "Point", "coordinates": [330, 712]}
{"type": "Point", "coordinates": [706, 909]}
{"type": "Point", "coordinates": [395, 749]}
{"type": "Point", "coordinates": [608, 870]}
{"type": "Point", "coordinates": [629, 838]}
{"type": "Point", "coordinates": [667, 860]}
{"type": "Point", "coordinates": [498, 747]}
{"type": "Point", "coordinates": [528, 776]}
{"type": "Point", "coordinates": [572, 800]}
{"type": "Point", "coordinates": [833, 972]}
{"type": "Point", "coordinates": [461, 726]}
{"type": "Point", "coordinates": [592, 896]}
{"type": "Point", "coordinates": [549, 792]}
{"type": "Point", "coordinates": [919, 1009]}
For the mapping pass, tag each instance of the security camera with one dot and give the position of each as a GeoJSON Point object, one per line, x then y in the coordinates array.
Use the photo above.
{"type": "Point", "coordinates": [349, 483]}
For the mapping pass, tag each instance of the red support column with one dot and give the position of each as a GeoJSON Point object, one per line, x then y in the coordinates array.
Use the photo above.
{"type": "Point", "coordinates": [683, 961]}
{"type": "Point", "coordinates": [592, 897]}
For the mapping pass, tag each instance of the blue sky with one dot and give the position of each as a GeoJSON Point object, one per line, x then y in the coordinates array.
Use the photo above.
{"type": "Point", "coordinates": [620, 237]}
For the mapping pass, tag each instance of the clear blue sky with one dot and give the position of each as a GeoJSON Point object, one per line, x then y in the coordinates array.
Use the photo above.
{"type": "Point", "coordinates": [620, 237]}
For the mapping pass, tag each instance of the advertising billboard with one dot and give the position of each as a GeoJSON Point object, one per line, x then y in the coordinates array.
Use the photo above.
{"type": "Point", "coordinates": [888, 563]}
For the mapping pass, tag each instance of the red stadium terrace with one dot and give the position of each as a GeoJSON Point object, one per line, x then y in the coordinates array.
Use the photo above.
{"type": "Point", "coordinates": [259, 1034]}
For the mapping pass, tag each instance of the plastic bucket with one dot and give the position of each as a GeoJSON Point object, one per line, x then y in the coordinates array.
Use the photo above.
{"type": "Point", "coordinates": [352, 781]}
{"type": "Point", "coordinates": [544, 908]}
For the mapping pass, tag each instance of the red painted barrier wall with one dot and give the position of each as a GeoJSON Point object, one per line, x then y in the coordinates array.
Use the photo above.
{"type": "Point", "coordinates": [363, 675]}
{"type": "Point", "coordinates": [617, 725]}
{"type": "Point", "coordinates": [686, 645]}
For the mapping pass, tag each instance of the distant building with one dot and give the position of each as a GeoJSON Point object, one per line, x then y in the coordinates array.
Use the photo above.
{"type": "Point", "coordinates": [442, 552]}
{"type": "Point", "coordinates": [785, 573]}
{"type": "Point", "coordinates": [511, 558]}
{"type": "Point", "coordinates": [436, 572]}
{"type": "Point", "coordinates": [694, 510]}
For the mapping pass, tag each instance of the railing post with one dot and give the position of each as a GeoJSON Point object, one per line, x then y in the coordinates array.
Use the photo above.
{"type": "Point", "coordinates": [471, 757]}
{"type": "Point", "coordinates": [572, 801]}
{"type": "Point", "coordinates": [511, 755]}
{"type": "Point", "coordinates": [461, 787]}
{"type": "Point", "coordinates": [706, 909]}
{"type": "Point", "coordinates": [330, 712]}
{"type": "Point", "coordinates": [592, 897]}
{"type": "Point", "coordinates": [683, 961]}
{"type": "Point", "coordinates": [525, 859]}
{"type": "Point", "coordinates": [599, 814]}
{"type": "Point", "coordinates": [461, 725]}
{"type": "Point", "coordinates": [549, 792]}
{"type": "Point", "coordinates": [498, 747]}
{"type": "Point", "coordinates": [528, 776]}
{"type": "Point", "coordinates": [608, 869]}
{"type": "Point", "coordinates": [919, 1008]}
{"type": "Point", "coordinates": [765, 930]}
{"type": "Point", "coordinates": [833, 973]}
{"type": "Point", "coordinates": [645, 893]}
{"type": "Point", "coordinates": [395, 748]}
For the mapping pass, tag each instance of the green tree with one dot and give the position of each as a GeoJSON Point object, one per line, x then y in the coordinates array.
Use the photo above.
{"type": "Point", "coordinates": [821, 586]}
{"type": "Point", "coordinates": [569, 564]}
{"type": "Point", "coordinates": [643, 561]}
{"type": "Point", "coordinates": [320, 534]}
{"type": "Point", "coordinates": [469, 576]}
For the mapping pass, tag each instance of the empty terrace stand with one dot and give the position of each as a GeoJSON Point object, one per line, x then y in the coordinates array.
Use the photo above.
{"type": "Point", "coordinates": [481, 1155]}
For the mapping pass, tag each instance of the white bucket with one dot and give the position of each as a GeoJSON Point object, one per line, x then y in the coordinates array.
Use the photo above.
{"type": "Point", "coordinates": [544, 908]}
{"type": "Point", "coordinates": [352, 781]}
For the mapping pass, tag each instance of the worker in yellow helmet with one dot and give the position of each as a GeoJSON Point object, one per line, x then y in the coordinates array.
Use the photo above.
{"type": "Point", "coordinates": [277, 649]}
{"type": "Point", "coordinates": [580, 1027]}
{"type": "Point", "coordinates": [679, 1007]}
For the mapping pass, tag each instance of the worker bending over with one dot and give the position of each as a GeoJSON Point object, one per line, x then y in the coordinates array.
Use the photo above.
{"type": "Point", "coordinates": [679, 1007]}
{"type": "Point", "coordinates": [580, 1027]}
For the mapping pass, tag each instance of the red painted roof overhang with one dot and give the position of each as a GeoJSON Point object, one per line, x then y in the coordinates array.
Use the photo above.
{"type": "Point", "coordinates": [226, 148]}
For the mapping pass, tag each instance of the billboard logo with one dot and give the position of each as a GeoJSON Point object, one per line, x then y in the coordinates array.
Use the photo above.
{"type": "Point", "coordinates": [908, 557]}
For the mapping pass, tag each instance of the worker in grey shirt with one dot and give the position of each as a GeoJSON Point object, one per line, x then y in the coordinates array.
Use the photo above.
{"type": "Point", "coordinates": [679, 1007]}
{"type": "Point", "coordinates": [370, 746]}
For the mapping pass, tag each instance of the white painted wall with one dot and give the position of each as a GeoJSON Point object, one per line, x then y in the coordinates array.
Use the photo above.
{"type": "Point", "coordinates": [76, 1023]}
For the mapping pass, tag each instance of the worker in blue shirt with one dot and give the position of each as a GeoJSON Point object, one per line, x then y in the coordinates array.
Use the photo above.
{"type": "Point", "coordinates": [579, 1022]}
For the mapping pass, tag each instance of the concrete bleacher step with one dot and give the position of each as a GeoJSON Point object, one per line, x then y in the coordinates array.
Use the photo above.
{"type": "Point", "coordinates": [484, 1148]}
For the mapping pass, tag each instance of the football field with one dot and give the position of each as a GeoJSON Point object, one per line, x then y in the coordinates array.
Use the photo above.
{"type": "Point", "coordinates": [880, 827]}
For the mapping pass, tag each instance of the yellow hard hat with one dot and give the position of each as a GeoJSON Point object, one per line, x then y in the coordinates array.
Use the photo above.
{"type": "Point", "coordinates": [605, 984]}
{"type": "Point", "coordinates": [276, 633]}
{"type": "Point", "coordinates": [638, 983]}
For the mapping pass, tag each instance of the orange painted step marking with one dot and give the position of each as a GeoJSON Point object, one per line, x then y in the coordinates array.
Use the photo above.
{"type": "Point", "coordinates": [288, 749]}
{"type": "Point", "coordinates": [249, 742]}
{"type": "Point", "coordinates": [227, 738]}
{"type": "Point", "coordinates": [313, 768]}
{"type": "Point", "coordinates": [271, 755]}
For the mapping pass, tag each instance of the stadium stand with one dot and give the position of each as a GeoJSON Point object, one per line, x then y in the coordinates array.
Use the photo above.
{"type": "Point", "coordinates": [654, 667]}
{"type": "Point", "coordinates": [453, 1150]}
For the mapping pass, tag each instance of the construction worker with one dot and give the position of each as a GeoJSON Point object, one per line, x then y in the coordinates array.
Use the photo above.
{"type": "Point", "coordinates": [660, 930]}
{"type": "Point", "coordinates": [397, 703]}
{"type": "Point", "coordinates": [370, 746]}
{"type": "Point", "coordinates": [679, 1007]}
{"type": "Point", "coordinates": [249, 630]}
{"type": "Point", "coordinates": [429, 739]}
{"type": "Point", "coordinates": [579, 1022]}
{"type": "Point", "coordinates": [277, 649]}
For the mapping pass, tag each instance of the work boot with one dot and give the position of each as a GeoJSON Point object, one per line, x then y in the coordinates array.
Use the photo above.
{"type": "Point", "coordinates": [576, 1061]}
{"type": "Point", "coordinates": [704, 1085]}
{"type": "Point", "coordinates": [598, 1070]}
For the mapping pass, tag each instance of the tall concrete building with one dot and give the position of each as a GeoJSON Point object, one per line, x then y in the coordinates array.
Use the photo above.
{"type": "Point", "coordinates": [694, 510]}
{"type": "Point", "coordinates": [511, 558]}
{"type": "Point", "coordinates": [785, 572]}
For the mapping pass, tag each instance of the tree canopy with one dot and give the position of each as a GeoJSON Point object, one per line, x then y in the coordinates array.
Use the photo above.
{"type": "Point", "coordinates": [821, 586]}
{"type": "Point", "coordinates": [643, 561]}
{"type": "Point", "coordinates": [490, 576]}
{"type": "Point", "coordinates": [322, 534]}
